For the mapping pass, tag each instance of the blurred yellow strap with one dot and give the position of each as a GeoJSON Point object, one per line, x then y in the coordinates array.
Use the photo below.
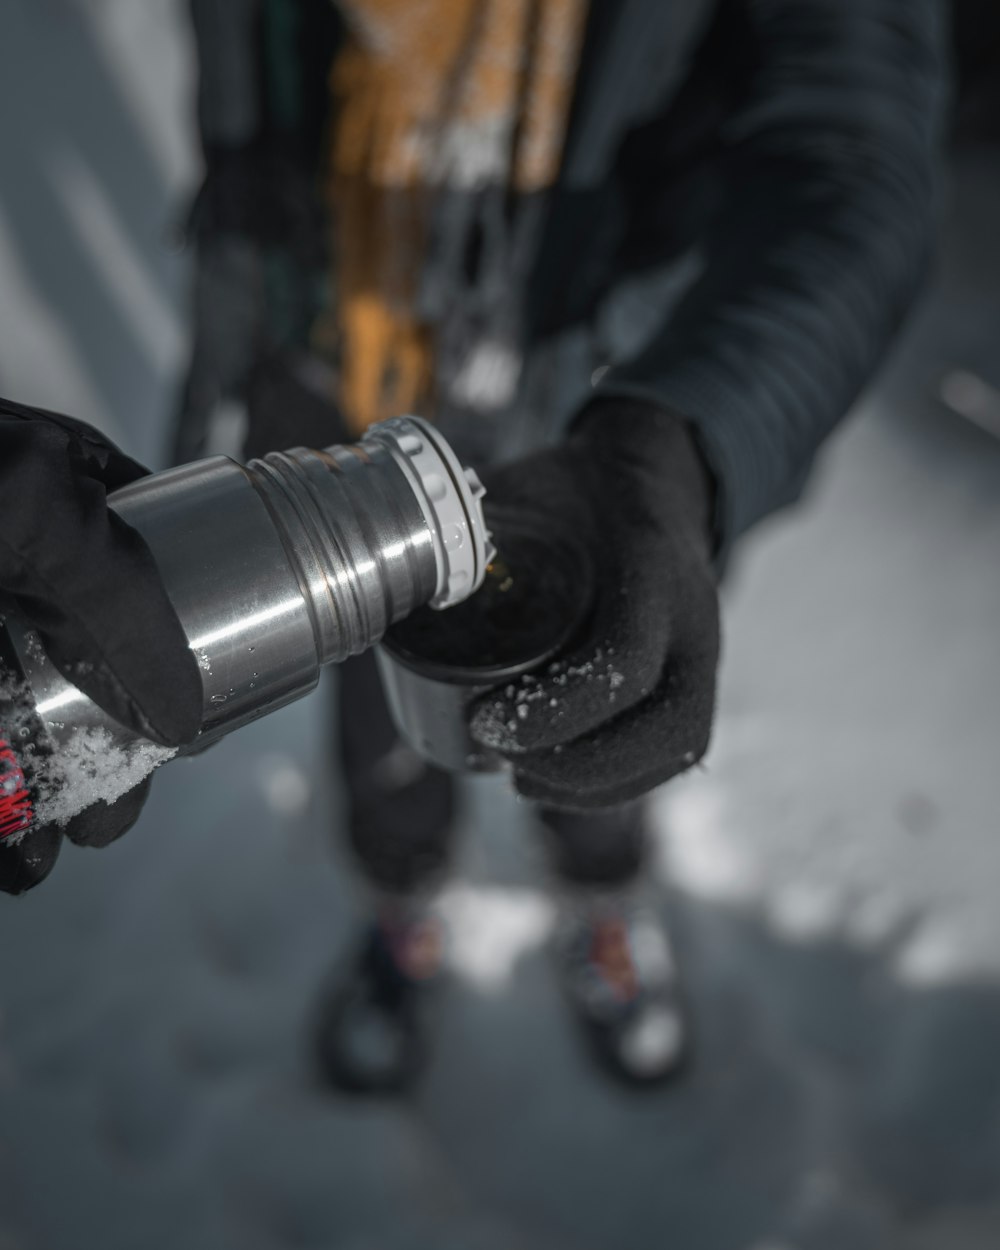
{"type": "Point", "coordinates": [430, 96]}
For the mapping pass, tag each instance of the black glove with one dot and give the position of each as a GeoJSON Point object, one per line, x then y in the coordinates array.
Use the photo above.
{"type": "Point", "coordinates": [630, 704]}
{"type": "Point", "coordinates": [87, 582]}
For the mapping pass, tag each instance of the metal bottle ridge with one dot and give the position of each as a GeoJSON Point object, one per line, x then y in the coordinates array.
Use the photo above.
{"type": "Point", "coordinates": [275, 569]}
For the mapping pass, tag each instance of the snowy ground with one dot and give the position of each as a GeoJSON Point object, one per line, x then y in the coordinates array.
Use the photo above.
{"type": "Point", "coordinates": [832, 875]}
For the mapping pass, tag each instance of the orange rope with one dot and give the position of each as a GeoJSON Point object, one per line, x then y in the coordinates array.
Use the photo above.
{"type": "Point", "coordinates": [430, 94]}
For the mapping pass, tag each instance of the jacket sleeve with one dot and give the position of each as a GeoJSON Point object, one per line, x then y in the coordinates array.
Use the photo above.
{"type": "Point", "coordinates": [818, 249]}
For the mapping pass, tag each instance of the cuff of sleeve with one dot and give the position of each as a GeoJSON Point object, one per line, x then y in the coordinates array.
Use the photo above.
{"type": "Point", "coordinates": [741, 451]}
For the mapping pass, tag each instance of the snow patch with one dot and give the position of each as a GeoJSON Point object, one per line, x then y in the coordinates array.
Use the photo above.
{"type": "Point", "coordinates": [492, 929]}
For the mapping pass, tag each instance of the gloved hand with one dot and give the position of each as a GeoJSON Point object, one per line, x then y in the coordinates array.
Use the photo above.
{"type": "Point", "coordinates": [88, 583]}
{"type": "Point", "coordinates": [631, 703]}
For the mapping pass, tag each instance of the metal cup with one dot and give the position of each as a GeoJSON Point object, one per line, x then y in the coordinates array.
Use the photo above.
{"type": "Point", "coordinates": [430, 673]}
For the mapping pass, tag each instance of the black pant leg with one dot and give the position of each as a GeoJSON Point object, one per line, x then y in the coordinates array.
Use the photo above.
{"type": "Point", "coordinates": [400, 810]}
{"type": "Point", "coordinates": [603, 848]}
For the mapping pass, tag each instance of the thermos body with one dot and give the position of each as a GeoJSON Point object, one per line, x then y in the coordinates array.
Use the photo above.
{"type": "Point", "coordinates": [274, 569]}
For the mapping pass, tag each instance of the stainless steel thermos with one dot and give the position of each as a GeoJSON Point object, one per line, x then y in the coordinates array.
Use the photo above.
{"type": "Point", "coordinates": [275, 569]}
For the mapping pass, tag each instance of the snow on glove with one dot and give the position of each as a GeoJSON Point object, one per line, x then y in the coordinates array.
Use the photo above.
{"type": "Point", "coordinates": [630, 704]}
{"type": "Point", "coordinates": [87, 582]}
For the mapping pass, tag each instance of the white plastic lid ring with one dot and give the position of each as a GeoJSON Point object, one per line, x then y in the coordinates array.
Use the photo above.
{"type": "Point", "coordinates": [450, 497]}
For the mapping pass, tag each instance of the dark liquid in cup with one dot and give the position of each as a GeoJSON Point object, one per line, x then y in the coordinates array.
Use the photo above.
{"type": "Point", "coordinates": [534, 594]}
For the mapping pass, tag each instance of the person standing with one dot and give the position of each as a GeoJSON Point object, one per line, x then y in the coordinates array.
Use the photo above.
{"type": "Point", "coordinates": [482, 179]}
{"type": "Point", "coordinates": [437, 208]}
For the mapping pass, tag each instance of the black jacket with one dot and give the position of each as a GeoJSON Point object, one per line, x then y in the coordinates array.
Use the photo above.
{"type": "Point", "coordinates": [795, 143]}
{"type": "Point", "coordinates": [791, 143]}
